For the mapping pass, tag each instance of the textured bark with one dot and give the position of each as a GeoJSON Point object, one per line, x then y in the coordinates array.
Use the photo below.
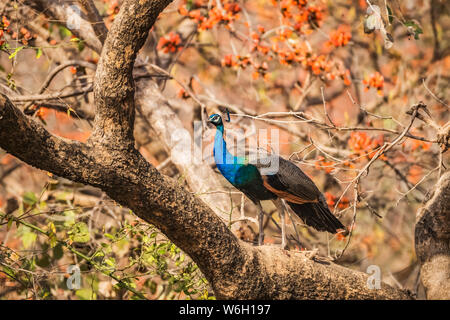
{"type": "Point", "coordinates": [110, 162]}
{"type": "Point", "coordinates": [114, 85]}
{"type": "Point", "coordinates": [94, 17]}
{"type": "Point", "coordinates": [432, 239]}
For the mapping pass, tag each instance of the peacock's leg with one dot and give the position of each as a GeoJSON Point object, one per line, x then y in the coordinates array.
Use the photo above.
{"type": "Point", "coordinates": [261, 221]}
{"type": "Point", "coordinates": [280, 207]}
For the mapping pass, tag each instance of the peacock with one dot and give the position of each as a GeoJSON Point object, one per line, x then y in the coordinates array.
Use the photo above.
{"type": "Point", "coordinates": [289, 183]}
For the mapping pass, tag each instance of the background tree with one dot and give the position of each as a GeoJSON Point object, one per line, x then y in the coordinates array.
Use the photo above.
{"type": "Point", "coordinates": [356, 88]}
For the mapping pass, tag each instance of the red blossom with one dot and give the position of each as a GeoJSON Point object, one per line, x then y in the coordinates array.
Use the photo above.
{"type": "Point", "coordinates": [340, 37]}
{"type": "Point", "coordinates": [376, 81]}
{"type": "Point", "coordinates": [170, 43]}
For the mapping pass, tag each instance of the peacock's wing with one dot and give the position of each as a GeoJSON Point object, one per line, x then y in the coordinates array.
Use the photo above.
{"type": "Point", "coordinates": [289, 182]}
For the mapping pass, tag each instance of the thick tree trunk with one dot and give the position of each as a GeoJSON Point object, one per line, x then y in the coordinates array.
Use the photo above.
{"type": "Point", "coordinates": [432, 239]}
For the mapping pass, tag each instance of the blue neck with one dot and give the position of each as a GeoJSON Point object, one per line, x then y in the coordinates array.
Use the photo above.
{"type": "Point", "coordinates": [234, 169]}
{"type": "Point", "coordinates": [221, 154]}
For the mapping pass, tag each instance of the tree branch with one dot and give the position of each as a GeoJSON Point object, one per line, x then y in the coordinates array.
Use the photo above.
{"type": "Point", "coordinates": [31, 143]}
{"type": "Point", "coordinates": [432, 240]}
{"type": "Point", "coordinates": [114, 85]}
{"type": "Point", "coordinates": [94, 17]}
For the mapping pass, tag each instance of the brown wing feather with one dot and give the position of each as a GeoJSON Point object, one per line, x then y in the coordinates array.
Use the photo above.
{"type": "Point", "coordinates": [291, 183]}
{"type": "Point", "coordinates": [285, 195]}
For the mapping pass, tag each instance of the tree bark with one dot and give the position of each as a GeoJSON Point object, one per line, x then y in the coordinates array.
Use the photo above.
{"type": "Point", "coordinates": [432, 240]}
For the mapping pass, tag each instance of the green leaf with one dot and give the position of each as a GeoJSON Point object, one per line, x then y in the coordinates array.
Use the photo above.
{"type": "Point", "coordinates": [29, 198]}
{"type": "Point", "coordinates": [15, 52]}
{"type": "Point", "coordinates": [111, 262]}
{"type": "Point", "coordinates": [10, 222]}
{"type": "Point", "coordinates": [86, 294]}
{"type": "Point", "coordinates": [62, 196]}
{"type": "Point", "coordinates": [69, 218]}
{"type": "Point", "coordinates": [4, 46]}
{"type": "Point", "coordinates": [28, 237]}
{"type": "Point", "coordinates": [9, 272]}
{"type": "Point", "coordinates": [38, 53]}
{"type": "Point", "coordinates": [52, 240]}
{"type": "Point", "coordinates": [153, 235]}
{"type": "Point", "coordinates": [189, 4]}
{"type": "Point", "coordinates": [416, 34]}
{"type": "Point", "coordinates": [64, 32]}
{"type": "Point", "coordinates": [81, 46]}
{"type": "Point", "coordinates": [110, 236]}
{"type": "Point", "coordinates": [69, 110]}
{"type": "Point", "coordinates": [80, 233]}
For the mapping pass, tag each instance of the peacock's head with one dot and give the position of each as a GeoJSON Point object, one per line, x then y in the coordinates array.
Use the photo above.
{"type": "Point", "coordinates": [215, 119]}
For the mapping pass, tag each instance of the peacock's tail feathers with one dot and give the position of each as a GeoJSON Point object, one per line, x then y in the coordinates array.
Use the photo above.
{"type": "Point", "coordinates": [317, 216]}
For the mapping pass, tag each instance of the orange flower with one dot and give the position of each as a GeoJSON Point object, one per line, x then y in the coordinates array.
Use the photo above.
{"type": "Point", "coordinates": [347, 77]}
{"type": "Point", "coordinates": [170, 43]}
{"type": "Point", "coordinates": [361, 143]}
{"type": "Point", "coordinates": [340, 236]}
{"type": "Point", "coordinates": [260, 28]}
{"type": "Point", "coordinates": [5, 23]}
{"type": "Point", "coordinates": [319, 64]}
{"type": "Point", "coordinates": [208, 19]}
{"type": "Point", "coordinates": [243, 61]}
{"type": "Point", "coordinates": [284, 34]}
{"type": "Point", "coordinates": [183, 94]}
{"type": "Point", "coordinates": [112, 9]}
{"type": "Point", "coordinates": [42, 113]}
{"type": "Point", "coordinates": [376, 81]}
{"type": "Point", "coordinates": [227, 61]}
{"type": "Point", "coordinates": [340, 37]}
{"type": "Point", "coordinates": [321, 164]}
{"type": "Point", "coordinates": [331, 201]}
{"type": "Point", "coordinates": [415, 144]}
{"type": "Point", "coordinates": [414, 174]}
